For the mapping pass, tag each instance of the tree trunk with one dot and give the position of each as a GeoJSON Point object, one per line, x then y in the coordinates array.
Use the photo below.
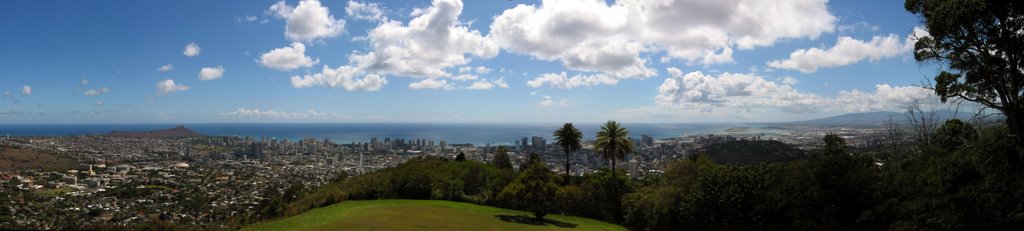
{"type": "Point", "coordinates": [613, 167]}
{"type": "Point", "coordinates": [566, 167]}
{"type": "Point", "coordinates": [1015, 118]}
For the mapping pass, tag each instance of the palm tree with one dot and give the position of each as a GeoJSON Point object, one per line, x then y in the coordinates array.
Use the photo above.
{"type": "Point", "coordinates": [613, 142]}
{"type": "Point", "coordinates": [571, 140]}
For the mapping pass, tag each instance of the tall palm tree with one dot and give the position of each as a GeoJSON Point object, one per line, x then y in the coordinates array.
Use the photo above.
{"type": "Point", "coordinates": [613, 142]}
{"type": "Point", "coordinates": [571, 140]}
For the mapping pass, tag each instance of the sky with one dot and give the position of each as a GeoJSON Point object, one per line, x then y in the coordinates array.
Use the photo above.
{"type": "Point", "coordinates": [657, 61]}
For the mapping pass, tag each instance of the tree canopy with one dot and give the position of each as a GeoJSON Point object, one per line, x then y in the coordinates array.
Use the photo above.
{"type": "Point", "coordinates": [981, 46]}
{"type": "Point", "coordinates": [570, 139]}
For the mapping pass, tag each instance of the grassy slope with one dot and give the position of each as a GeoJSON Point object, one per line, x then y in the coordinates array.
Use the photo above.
{"type": "Point", "coordinates": [423, 215]}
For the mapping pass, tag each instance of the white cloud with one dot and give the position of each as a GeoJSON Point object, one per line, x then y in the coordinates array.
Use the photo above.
{"type": "Point", "coordinates": [345, 77]}
{"type": "Point", "coordinates": [847, 51]}
{"type": "Point", "coordinates": [697, 91]}
{"type": "Point", "coordinates": [432, 83]}
{"type": "Point", "coordinates": [211, 73]}
{"type": "Point", "coordinates": [26, 90]}
{"type": "Point", "coordinates": [85, 82]}
{"type": "Point", "coordinates": [274, 114]}
{"type": "Point", "coordinates": [308, 21]}
{"type": "Point", "coordinates": [98, 103]}
{"type": "Point", "coordinates": [168, 86]}
{"type": "Point", "coordinates": [789, 80]}
{"type": "Point", "coordinates": [424, 47]}
{"type": "Point", "coordinates": [591, 35]}
{"type": "Point", "coordinates": [164, 68]}
{"type": "Point", "coordinates": [8, 96]}
{"type": "Point", "coordinates": [563, 81]}
{"type": "Point", "coordinates": [365, 11]}
{"type": "Point", "coordinates": [487, 85]}
{"type": "Point", "coordinates": [97, 91]}
{"type": "Point", "coordinates": [191, 50]}
{"type": "Point", "coordinates": [428, 44]}
{"type": "Point", "coordinates": [885, 97]}
{"type": "Point", "coordinates": [548, 101]}
{"type": "Point", "coordinates": [288, 58]}
{"type": "Point", "coordinates": [482, 70]}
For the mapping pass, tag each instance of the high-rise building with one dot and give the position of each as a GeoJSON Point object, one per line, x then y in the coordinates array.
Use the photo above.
{"type": "Point", "coordinates": [647, 140]}
{"type": "Point", "coordinates": [256, 148]}
{"type": "Point", "coordinates": [374, 144]}
{"type": "Point", "coordinates": [523, 144]}
{"type": "Point", "coordinates": [312, 148]}
{"type": "Point", "coordinates": [539, 144]}
{"type": "Point", "coordinates": [444, 145]}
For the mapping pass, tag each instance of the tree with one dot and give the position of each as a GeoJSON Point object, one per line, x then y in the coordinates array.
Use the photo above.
{"type": "Point", "coordinates": [534, 190]}
{"type": "Point", "coordinates": [981, 45]}
{"type": "Point", "coordinates": [922, 124]}
{"type": "Point", "coordinates": [954, 133]}
{"type": "Point", "coordinates": [460, 157]}
{"type": "Point", "coordinates": [570, 139]}
{"type": "Point", "coordinates": [531, 159]}
{"type": "Point", "coordinates": [613, 142]}
{"type": "Point", "coordinates": [501, 159]}
{"type": "Point", "coordinates": [834, 145]}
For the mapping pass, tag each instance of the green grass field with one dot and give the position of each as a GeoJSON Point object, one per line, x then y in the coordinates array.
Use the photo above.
{"type": "Point", "coordinates": [424, 215]}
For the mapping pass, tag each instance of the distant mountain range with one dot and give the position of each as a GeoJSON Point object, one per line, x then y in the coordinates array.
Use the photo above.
{"type": "Point", "coordinates": [179, 131]}
{"type": "Point", "coordinates": [878, 118]}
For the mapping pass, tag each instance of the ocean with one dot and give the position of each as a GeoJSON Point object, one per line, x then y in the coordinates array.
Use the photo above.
{"type": "Point", "coordinates": [453, 133]}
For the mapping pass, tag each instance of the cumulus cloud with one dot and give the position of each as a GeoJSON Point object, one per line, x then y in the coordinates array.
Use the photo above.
{"type": "Point", "coordinates": [563, 81]}
{"type": "Point", "coordinates": [885, 97]}
{"type": "Point", "coordinates": [847, 51]}
{"type": "Point", "coordinates": [308, 21]}
{"type": "Point", "coordinates": [165, 68]}
{"type": "Point", "coordinates": [345, 77]}
{"type": "Point", "coordinates": [168, 86]}
{"type": "Point", "coordinates": [26, 90]}
{"type": "Point", "coordinates": [97, 91]}
{"type": "Point", "coordinates": [288, 58]}
{"type": "Point", "coordinates": [482, 70]}
{"type": "Point", "coordinates": [191, 50]}
{"type": "Point", "coordinates": [365, 11]}
{"type": "Point", "coordinates": [595, 36]}
{"type": "Point", "coordinates": [211, 73]}
{"type": "Point", "coordinates": [432, 83]}
{"type": "Point", "coordinates": [434, 40]}
{"type": "Point", "coordinates": [487, 85]}
{"type": "Point", "coordinates": [698, 91]}
{"type": "Point", "coordinates": [548, 101]}
{"type": "Point", "coordinates": [424, 47]}
{"type": "Point", "coordinates": [274, 114]}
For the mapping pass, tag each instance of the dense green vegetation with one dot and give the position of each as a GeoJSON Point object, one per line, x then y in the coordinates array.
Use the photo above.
{"type": "Point", "coordinates": [752, 152]}
{"type": "Point", "coordinates": [969, 178]}
{"type": "Point", "coordinates": [423, 215]}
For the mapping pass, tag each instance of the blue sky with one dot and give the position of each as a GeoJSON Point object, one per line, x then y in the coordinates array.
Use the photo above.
{"type": "Point", "coordinates": [418, 61]}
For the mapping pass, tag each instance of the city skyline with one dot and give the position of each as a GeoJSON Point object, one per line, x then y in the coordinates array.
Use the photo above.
{"type": "Point", "coordinates": [454, 61]}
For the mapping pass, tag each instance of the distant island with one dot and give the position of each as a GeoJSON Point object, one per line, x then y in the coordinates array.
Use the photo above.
{"type": "Point", "coordinates": [179, 131]}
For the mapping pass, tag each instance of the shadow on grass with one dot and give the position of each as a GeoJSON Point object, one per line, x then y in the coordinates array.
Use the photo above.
{"type": "Point", "coordinates": [530, 220]}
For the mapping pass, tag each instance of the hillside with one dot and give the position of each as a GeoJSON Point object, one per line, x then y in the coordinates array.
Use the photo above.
{"type": "Point", "coordinates": [877, 118]}
{"type": "Point", "coordinates": [752, 152]}
{"type": "Point", "coordinates": [13, 159]}
{"type": "Point", "coordinates": [424, 215]}
{"type": "Point", "coordinates": [179, 131]}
